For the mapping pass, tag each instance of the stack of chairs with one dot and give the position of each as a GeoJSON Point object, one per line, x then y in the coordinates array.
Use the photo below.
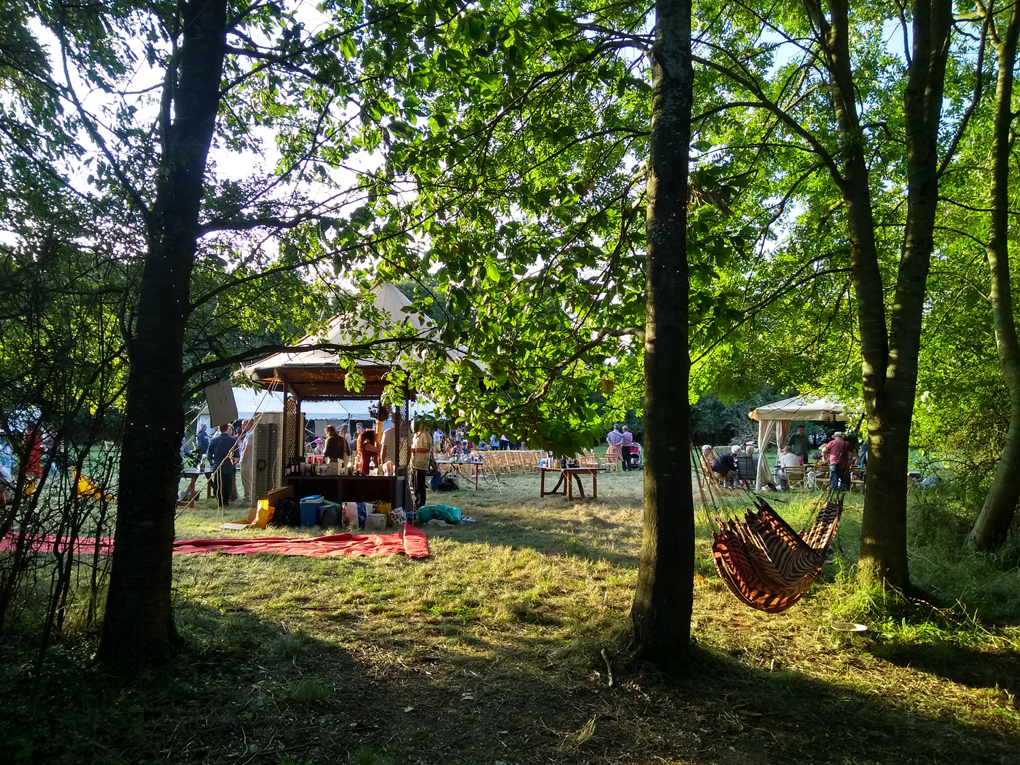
{"type": "Point", "coordinates": [512, 462]}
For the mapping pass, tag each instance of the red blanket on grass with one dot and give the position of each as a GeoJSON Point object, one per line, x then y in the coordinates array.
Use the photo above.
{"type": "Point", "coordinates": [411, 542]}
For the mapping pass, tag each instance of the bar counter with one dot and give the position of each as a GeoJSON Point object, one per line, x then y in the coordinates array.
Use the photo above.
{"type": "Point", "coordinates": [351, 488]}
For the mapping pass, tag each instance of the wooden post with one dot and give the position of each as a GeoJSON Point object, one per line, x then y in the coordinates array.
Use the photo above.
{"type": "Point", "coordinates": [283, 432]}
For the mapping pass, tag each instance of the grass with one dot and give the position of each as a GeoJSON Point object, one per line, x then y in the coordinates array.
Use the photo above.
{"type": "Point", "coordinates": [490, 651]}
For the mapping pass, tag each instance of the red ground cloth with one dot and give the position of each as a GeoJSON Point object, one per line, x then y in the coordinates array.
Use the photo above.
{"type": "Point", "coordinates": [411, 543]}
{"type": "Point", "coordinates": [47, 542]}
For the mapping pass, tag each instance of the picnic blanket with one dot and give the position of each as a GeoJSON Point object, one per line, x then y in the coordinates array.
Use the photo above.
{"type": "Point", "coordinates": [412, 543]}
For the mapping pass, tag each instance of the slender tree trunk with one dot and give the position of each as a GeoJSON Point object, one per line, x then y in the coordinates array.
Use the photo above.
{"type": "Point", "coordinates": [138, 625]}
{"type": "Point", "coordinates": [884, 523]}
{"type": "Point", "coordinates": [663, 602]}
{"type": "Point", "coordinates": [889, 354]}
{"type": "Point", "coordinates": [996, 515]}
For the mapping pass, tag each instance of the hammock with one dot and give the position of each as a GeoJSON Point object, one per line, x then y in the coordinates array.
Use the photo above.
{"type": "Point", "coordinates": [768, 565]}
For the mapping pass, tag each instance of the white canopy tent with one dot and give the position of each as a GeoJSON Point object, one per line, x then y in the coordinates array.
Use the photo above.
{"type": "Point", "coordinates": [250, 402]}
{"type": "Point", "coordinates": [774, 423]}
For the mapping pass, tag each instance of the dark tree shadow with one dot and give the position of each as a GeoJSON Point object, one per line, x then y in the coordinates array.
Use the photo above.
{"type": "Point", "coordinates": [976, 669]}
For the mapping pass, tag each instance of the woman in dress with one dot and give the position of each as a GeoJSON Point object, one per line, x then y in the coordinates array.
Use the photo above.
{"type": "Point", "coordinates": [368, 451]}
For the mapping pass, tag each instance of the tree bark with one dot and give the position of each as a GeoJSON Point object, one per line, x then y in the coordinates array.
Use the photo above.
{"type": "Point", "coordinates": [993, 522]}
{"type": "Point", "coordinates": [891, 409]}
{"type": "Point", "coordinates": [663, 601]}
{"type": "Point", "coordinates": [889, 354]}
{"type": "Point", "coordinates": [138, 625]}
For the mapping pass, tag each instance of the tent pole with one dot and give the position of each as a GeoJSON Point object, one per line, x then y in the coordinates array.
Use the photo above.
{"type": "Point", "coordinates": [283, 431]}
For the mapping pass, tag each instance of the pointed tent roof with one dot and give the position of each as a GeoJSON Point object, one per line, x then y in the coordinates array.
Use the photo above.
{"type": "Point", "coordinates": [774, 422]}
{"type": "Point", "coordinates": [810, 408]}
{"type": "Point", "coordinates": [315, 375]}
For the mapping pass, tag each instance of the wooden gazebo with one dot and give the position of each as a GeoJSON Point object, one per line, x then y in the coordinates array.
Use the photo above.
{"type": "Point", "coordinates": [316, 375]}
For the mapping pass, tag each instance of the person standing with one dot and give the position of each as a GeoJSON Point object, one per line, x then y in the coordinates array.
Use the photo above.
{"type": "Point", "coordinates": [504, 443]}
{"type": "Point", "coordinates": [202, 440]}
{"type": "Point", "coordinates": [799, 444]}
{"type": "Point", "coordinates": [626, 444]}
{"type": "Point", "coordinates": [421, 454]}
{"type": "Point", "coordinates": [837, 452]}
{"type": "Point", "coordinates": [221, 460]}
{"type": "Point", "coordinates": [368, 451]}
{"type": "Point", "coordinates": [247, 447]}
{"type": "Point", "coordinates": [614, 439]}
{"type": "Point", "coordinates": [337, 447]}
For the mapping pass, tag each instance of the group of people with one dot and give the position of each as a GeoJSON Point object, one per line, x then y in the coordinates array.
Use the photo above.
{"type": "Point", "coordinates": [367, 451]}
{"type": "Point", "coordinates": [622, 447]}
{"type": "Point", "coordinates": [226, 452]}
{"type": "Point", "coordinates": [738, 466]}
{"type": "Point", "coordinates": [734, 468]}
{"type": "Point", "coordinates": [840, 453]}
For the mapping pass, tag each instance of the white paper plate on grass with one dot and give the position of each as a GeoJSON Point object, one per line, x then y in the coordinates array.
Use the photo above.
{"type": "Point", "coordinates": [849, 627]}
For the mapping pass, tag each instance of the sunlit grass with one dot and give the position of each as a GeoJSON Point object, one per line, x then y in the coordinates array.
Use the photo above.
{"type": "Point", "coordinates": [499, 647]}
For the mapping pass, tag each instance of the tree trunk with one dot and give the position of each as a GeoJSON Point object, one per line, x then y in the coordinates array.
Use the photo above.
{"type": "Point", "coordinates": [889, 355]}
{"type": "Point", "coordinates": [138, 625]}
{"type": "Point", "coordinates": [996, 515]}
{"type": "Point", "coordinates": [884, 523]}
{"type": "Point", "coordinates": [663, 602]}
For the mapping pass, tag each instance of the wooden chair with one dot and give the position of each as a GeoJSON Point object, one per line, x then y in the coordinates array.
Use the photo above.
{"type": "Point", "coordinates": [796, 475]}
{"type": "Point", "coordinates": [857, 477]}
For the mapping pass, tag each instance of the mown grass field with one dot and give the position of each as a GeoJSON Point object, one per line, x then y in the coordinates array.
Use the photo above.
{"type": "Point", "coordinates": [491, 651]}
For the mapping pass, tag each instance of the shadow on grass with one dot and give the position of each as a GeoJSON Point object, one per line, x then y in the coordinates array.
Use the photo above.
{"type": "Point", "coordinates": [784, 716]}
{"type": "Point", "coordinates": [246, 690]}
{"type": "Point", "coordinates": [967, 666]}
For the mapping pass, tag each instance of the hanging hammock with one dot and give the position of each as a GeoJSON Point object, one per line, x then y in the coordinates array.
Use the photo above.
{"type": "Point", "coordinates": [768, 565]}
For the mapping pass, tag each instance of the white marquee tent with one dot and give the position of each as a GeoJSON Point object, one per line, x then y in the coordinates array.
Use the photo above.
{"type": "Point", "coordinates": [250, 402]}
{"type": "Point", "coordinates": [774, 424]}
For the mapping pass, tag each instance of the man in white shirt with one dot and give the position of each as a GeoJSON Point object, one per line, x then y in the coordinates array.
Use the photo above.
{"type": "Point", "coordinates": [421, 454]}
{"type": "Point", "coordinates": [787, 459]}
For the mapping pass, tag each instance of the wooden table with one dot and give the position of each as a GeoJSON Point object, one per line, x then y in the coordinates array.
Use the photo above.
{"type": "Point", "coordinates": [568, 476]}
{"type": "Point", "coordinates": [811, 474]}
{"type": "Point", "coordinates": [188, 496]}
{"type": "Point", "coordinates": [460, 471]}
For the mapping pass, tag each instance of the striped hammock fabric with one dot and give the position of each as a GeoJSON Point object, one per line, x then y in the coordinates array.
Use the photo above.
{"type": "Point", "coordinates": [768, 565]}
